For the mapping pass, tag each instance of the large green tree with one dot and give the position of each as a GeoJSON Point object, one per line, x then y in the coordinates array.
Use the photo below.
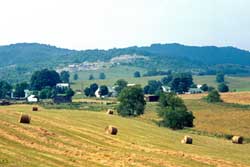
{"type": "Point", "coordinates": [174, 112]}
{"type": "Point", "coordinates": [181, 82]}
{"type": "Point", "coordinates": [43, 78]}
{"type": "Point", "coordinates": [132, 101]}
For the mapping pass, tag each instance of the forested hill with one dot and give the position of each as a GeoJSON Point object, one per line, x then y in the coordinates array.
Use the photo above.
{"type": "Point", "coordinates": [206, 55]}
{"type": "Point", "coordinates": [23, 58]}
{"type": "Point", "coordinates": [31, 53]}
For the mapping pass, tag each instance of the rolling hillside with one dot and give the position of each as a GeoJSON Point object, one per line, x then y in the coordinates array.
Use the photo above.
{"type": "Point", "coordinates": [24, 58]}
{"type": "Point", "coordinates": [77, 138]}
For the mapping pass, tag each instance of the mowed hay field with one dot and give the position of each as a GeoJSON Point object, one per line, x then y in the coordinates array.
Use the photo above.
{"type": "Point", "coordinates": [76, 138]}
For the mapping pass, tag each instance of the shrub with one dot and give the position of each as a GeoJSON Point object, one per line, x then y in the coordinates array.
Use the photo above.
{"type": "Point", "coordinates": [213, 97]}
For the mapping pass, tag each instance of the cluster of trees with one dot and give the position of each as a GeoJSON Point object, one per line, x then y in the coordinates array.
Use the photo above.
{"type": "Point", "coordinates": [44, 83]}
{"type": "Point", "coordinates": [173, 111]}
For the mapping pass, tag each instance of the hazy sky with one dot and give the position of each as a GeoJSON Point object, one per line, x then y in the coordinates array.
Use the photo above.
{"type": "Point", "coordinates": [88, 24]}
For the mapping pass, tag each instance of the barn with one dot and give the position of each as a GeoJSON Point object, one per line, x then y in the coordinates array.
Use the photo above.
{"type": "Point", "coordinates": [152, 98]}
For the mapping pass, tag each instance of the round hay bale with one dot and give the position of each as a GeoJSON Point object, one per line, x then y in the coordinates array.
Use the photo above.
{"type": "Point", "coordinates": [34, 108]}
{"type": "Point", "coordinates": [111, 130]}
{"type": "Point", "coordinates": [237, 139]}
{"type": "Point", "coordinates": [25, 119]}
{"type": "Point", "coordinates": [187, 140]}
{"type": "Point", "coordinates": [110, 112]}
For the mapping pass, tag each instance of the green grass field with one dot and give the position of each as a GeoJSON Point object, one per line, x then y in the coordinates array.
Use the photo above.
{"type": "Point", "coordinates": [77, 138]}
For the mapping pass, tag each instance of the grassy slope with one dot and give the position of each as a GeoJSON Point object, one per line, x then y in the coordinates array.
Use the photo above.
{"type": "Point", "coordinates": [77, 138]}
{"type": "Point", "coordinates": [220, 118]}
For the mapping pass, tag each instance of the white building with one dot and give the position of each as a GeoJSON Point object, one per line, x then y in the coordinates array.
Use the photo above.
{"type": "Point", "coordinates": [62, 85]}
{"type": "Point", "coordinates": [166, 89]}
{"type": "Point", "coordinates": [32, 99]}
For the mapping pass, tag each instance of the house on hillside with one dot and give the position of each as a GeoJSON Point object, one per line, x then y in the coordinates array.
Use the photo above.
{"type": "Point", "coordinates": [112, 92]}
{"type": "Point", "coordinates": [32, 99]}
{"type": "Point", "coordinates": [166, 89]}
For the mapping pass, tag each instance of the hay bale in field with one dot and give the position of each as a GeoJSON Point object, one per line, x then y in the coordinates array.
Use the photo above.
{"type": "Point", "coordinates": [187, 140]}
{"type": "Point", "coordinates": [25, 119]}
{"type": "Point", "coordinates": [34, 108]}
{"type": "Point", "coordinates": [237, 139]}
{"type": "Point", "coordinates": [110, 112]}
{"type": "Point", "coordinates": [111, 130]}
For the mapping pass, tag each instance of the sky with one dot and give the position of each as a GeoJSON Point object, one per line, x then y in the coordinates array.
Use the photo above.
{"type": "Point", "coordinates": [104, 24]}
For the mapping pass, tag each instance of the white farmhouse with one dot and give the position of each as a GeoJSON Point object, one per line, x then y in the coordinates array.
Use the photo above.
{"type": "Point", "coordinates": [32, 99]}
{"type": "Point", "coordinates": [63, 85]}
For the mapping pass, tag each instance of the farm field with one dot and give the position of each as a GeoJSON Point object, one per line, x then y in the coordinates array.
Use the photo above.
{"type": "Point", "coordinates": [229, 97]}
{"type": "Point", "coordinates": [77, 138]}
{"type": "Point", "coordinates": [220, 119]}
